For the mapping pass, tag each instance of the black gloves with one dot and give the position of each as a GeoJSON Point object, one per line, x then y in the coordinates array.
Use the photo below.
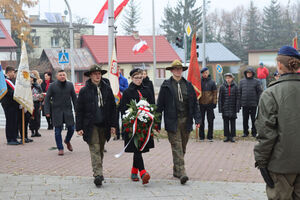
{"type": "Point", "coordinates": [267, 178]}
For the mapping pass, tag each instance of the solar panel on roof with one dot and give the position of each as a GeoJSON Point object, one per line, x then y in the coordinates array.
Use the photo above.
{"type": "Point", "coordinates": [2, 34]}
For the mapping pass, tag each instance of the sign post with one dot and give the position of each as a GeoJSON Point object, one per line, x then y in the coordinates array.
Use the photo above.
{"type": "Point", "coordinates": [63, 57]}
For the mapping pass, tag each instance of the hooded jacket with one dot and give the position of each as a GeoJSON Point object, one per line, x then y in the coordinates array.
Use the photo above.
{"type": "Point", "coordinates": [277, 125]}
{"type": "Point", "coordinates": [250, 89]}
{"type": "Point", "coordinates": [229, 101]}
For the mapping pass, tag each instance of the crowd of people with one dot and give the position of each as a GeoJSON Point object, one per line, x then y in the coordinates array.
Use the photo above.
{"type": "Point", "coordinates": [97, 115]}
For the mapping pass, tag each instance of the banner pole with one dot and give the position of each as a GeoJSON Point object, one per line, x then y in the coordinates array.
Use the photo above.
{"type": "Point", "coordinates": [23, 127]}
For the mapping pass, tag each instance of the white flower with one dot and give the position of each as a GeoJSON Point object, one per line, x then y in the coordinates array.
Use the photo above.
{"type": "Point", "coordinates": [142, 103]}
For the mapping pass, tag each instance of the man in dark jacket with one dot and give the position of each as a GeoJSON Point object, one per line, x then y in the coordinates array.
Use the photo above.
{"type": "Point", "coordinates": [10, 107]}
{"type": "Point", "coordinates": [207, 102]}
{"type": "Point", "coordinates": [250, 91]}
{"type": "Point", "coordinates": [177, 99]}
{"type": "Point", "coordinates": [63, 95]}
{"type": "Point", "coordinates": [95, 117]}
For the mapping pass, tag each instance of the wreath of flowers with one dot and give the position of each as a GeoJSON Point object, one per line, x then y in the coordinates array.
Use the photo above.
{"type": "Point", "coordinates": [139, 121]}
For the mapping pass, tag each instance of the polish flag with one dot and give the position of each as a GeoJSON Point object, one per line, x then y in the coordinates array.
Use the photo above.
{"type": "Point", "coordinates": [140, 47]}
{"type": "Point", "coordinates": [103, 14]}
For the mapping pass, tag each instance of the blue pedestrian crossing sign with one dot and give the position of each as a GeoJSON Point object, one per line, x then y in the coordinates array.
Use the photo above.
{"type": "Point", "coordinates": [63, 57]}
{"type": "Point", "coordinates": [219, 68]}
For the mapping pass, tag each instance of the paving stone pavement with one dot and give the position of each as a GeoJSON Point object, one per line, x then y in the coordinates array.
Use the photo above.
{"type": "Point", "coordinates": [217, 170]}
{"type": "Point", "coordinates": [38, 187]}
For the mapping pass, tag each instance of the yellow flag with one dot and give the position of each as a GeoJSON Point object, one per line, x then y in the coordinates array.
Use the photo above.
{"type": "Point", "coordinates": [23, 93]}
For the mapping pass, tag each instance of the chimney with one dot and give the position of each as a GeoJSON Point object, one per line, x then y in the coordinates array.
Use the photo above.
{"type": "Point", "coordinates": [33, 18]}
{"type": "Point", "coordinates": [136, 35]}
{"type": "Point", "coordinates": [77, 42]}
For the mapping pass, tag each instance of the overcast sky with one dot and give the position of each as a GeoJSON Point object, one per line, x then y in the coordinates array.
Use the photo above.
{"type": "Point", "coordinates": [90, 8]}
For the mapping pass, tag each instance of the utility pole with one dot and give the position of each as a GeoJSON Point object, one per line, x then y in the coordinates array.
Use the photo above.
{"type": "Point", "coordinates": [203, 35]}
{"type": "Point", "coordinates": [111, 27]}
{"type": "Point", "coordinates": [154, 43]}
{"type": "Point", "coordinates": [71, 43]}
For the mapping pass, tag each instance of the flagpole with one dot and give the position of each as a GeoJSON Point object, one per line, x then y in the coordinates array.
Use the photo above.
{"type": "Point", "coordinates": [110, 30]}
{"type": "Point", "coordinates": [23, 127]}
{"type": "Point", "coordinates": [154, 44]}
{"type": "Point", "coordinates": [203, 35]}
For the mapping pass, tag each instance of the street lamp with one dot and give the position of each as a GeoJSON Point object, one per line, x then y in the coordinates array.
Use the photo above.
{"type": "Point", "coordinates": [71, 43]}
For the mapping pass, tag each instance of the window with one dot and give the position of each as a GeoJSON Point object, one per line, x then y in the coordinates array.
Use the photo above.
{"type": "Point", "coordinates": [36, 41]}
{"type": "Point", "coordinates": [160, 73]}
{"type": "Point", "coordinates": [79, 77]}
{"type": "Point", "coordinates": [54, 42]}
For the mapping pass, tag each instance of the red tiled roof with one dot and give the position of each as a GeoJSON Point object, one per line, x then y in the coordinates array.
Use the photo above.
{"type": "Point", "coordinates": [6, 42]}
{"type": "Point", "coordinates": [98, 46]}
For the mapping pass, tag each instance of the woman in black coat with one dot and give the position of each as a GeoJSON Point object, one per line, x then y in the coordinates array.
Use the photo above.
{"type": "Point", "coordinates": [229, 105]}
{"type": "Point", "coordinates": [45, 85]}
{"type": "Point", "coordinates": [132, 93]}
{"type": "Point", "coordinates": [148, 83]}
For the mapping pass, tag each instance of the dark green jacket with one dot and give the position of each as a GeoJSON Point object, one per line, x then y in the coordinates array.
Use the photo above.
{"type": "Point", "coordinates": [278, 126]}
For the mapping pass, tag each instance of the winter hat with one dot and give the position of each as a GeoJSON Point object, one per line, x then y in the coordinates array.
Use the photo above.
{"type": "Point", "coordinates": [204, 69]}
{"type": "Point", "coordinates": [229, 74]}
{"type": "Point", "coordinates": [289, 51]}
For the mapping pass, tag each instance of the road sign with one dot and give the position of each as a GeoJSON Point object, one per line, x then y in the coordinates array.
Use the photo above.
{"type": "Point", "coordinates": [219, 68]}
{"type": "Point", "coordinates": [188, 29]}
{"type": "Point", "coordinates": [63, 57]}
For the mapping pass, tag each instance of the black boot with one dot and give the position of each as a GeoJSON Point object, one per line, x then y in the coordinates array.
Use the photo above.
{"type": "Point", "coordinates": [33, 133]}
{"type": "Point", "coordinates": [232, 139]}
{"type": "Point", "coordinates": [37, 134]}
{"type": "Point", "coordinates": [226, 139]}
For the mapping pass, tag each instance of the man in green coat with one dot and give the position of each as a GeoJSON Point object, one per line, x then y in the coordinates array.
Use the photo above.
{"type": "Point", "coordinates": [277, 153]}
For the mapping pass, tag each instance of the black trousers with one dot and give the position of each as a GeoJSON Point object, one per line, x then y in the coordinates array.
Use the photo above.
{"type": "Point", "coordinates": [35, 122]}
{"type": "Point", "coordinates": [27, 116]}
{"type": "Point", "coordinates": [11, 126]}
{"type": "Point", "coordinates": [229, 132]}
{"type": "Point", "coordinates": [246, 112]}
{"type": "Point", "coordinates": [210, 119]}
{"type": "Point", "coordinates": [138, 161]}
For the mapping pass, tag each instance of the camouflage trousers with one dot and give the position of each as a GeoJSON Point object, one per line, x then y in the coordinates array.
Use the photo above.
{"type": "Point", "coordinates": [96, 147]}
{"type": "Point", "coordinates": [178, 141]}
{"type": "Point", "coordinates": [287, 187]}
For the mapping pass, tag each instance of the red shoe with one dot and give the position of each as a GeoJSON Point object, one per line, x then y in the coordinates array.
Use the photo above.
{"type": "Point", "coordinates": [145, 178]}
{"type": "Point", "coordinates": [134, 177]}
{"type": "Point", "coordinates": [60, 152]}
{"type": "Point", "coordinates": [69, 146]}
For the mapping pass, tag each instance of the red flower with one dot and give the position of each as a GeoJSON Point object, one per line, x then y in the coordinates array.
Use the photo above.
{"type": "Point", "coordinates": [151, 134]}
{"type": "Point", "coordinates": [142, 139]}
{"type": "Point", "coordinates": [127, 130]}
{"type": "Point", "coordinates": [156, 127]}
{"type": "Point", "coordinates": [132, 121]}
{"type": "Point", "coordinates": [139, 130]}
{"type": "Point", "coordinates": [144, 131]}
{"type": "Point", "coordinates": [125, 125]}
{"type": "Point", "coordinates": [144, 125]}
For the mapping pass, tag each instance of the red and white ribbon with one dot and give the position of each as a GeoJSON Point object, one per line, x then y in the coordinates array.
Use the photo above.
{"type": "Point", "coordinates": [147, 112]}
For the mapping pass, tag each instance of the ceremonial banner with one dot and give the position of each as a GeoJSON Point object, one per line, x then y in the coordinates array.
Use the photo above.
{"type": "Point", "coordinates": [23, 93]}
{"type": "Point", "coordinates": [194, 71]}
{"type": "Point", "coordinates": [113, 76]}
{"type": "Point", "coordinates": [3, 86]}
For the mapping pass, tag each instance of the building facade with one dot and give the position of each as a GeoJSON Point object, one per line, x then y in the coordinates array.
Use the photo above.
{"type": "Point", "coordinates": [46, 35]}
